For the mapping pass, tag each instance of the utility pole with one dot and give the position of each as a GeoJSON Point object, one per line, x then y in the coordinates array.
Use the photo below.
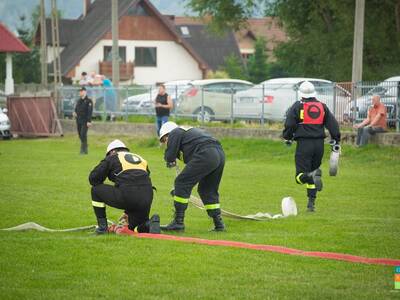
{"type": "Point", "coordinates": [55, 37]}
{"type": "Point", "coordinates": [43, 44]}
{"type": "Point", "coordinates": [358, 41]}
{"type": "Point", "coordinates": [115, 50]}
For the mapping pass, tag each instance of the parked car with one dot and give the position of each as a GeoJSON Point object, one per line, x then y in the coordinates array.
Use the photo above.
{"type": "Point", "coordinates": [388, 90]}
{"type": "Point", "coordinates": [145, 102]}
{"type": "Point", "coordinates": [5, 125]}
{"type": "Point", "coordinates": [216, 95]}
{"type": "Point", "coordinates": [277, 95]}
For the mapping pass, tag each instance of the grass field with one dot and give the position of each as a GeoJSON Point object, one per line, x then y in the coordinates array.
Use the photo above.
{"type": "Point", "coordinates": [45, 181]}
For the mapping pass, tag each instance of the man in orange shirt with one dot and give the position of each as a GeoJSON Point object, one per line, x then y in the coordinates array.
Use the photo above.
{"type": "Point", "coordinates": [374, 123]}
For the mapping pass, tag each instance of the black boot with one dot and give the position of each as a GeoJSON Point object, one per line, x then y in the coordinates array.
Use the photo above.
{"type": "Point", "coordinates": [154, 226]}
{"type": "Point", "coordinates": [82, 151]}
{"type": "Point", "coordinates": [85, 148]}
{"type": "Point", "coordinates": [177, 223]}
{"type": "Point", "coordinates": [311, 204]}
{"type": "Point", "coordinates": [218, 223]}
{"type": "Point", "coordinates": [102, 227]}
{"type": "Point", "coordinates": [316, 177]}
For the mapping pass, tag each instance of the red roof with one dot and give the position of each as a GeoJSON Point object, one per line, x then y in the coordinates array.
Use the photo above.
{"type": "Point", "coordinates": [9, 42]}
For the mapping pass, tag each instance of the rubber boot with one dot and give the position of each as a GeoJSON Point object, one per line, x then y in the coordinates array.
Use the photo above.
{"type": "Point", "coordinates": [316, 177]}
{"type": "Point", "coordinates": [154, 226]}
{"type": "Point", "coordinates": [179, 216]}
{"type": "Point", "coordinates": [102, 227]}
{"type": "Point", "coordinates": [218, 223]}
{"type": "Point", "coordinates": [311, 205]}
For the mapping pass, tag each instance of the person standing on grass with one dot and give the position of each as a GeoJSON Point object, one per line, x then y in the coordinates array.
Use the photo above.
{"type": "Point", "coordinates": [205, 160]}
{"type": "Point", "coordinates": [132, 192]}
{"type": "Point", "coordinates": [83, 114]}
{"type": "Point", "coordinates": [163, 105]}
{"type": "Point", "coordinates": [374, 123]}
{"type": "Point", "coordinates": [305, 123]}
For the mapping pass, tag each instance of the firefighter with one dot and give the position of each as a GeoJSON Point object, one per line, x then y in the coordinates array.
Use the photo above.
{"type": "Point", "coordinates": [205, 160]}
{"type": "Point", "coordinates": [132, 192]}
{"type": "Point", "coordinates": [305, 123]}
{"type": "Point", "coordinates": [83, 114]}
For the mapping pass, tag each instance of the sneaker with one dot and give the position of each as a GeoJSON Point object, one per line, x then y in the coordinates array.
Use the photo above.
{"type": "Point", "coordinates": [155, 224]}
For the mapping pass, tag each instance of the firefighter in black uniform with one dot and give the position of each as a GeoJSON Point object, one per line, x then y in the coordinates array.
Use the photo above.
{"type": "Point", "coordinates": [205, 160]}
{"type": "Point", "coordinates": [83, 113]}
{"type": "Point", "coordinates": [133, 190]}
{"type": "Point", "coordinates": [305, 123]}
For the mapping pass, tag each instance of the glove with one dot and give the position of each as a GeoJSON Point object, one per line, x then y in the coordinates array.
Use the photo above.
{"type": "Point", "coordinates": [171, 164]}
{"type": "Point", "coordinates": [288, 143]}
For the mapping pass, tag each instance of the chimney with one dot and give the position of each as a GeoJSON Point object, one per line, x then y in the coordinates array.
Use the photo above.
{"type": "Point", "coordinates": [86, 5]}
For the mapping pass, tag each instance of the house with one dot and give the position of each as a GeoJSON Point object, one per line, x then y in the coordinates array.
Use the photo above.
{"type": "Point", "coordinates": [267, 28]}
{"type": "Point", "coordinates": [151, 47]}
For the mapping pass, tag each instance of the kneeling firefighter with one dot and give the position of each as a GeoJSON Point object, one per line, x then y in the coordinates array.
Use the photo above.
{"type": "Point", "coordinates": [132, 192]}
{"type": "Point", "coordinates": [305, 123]}
{"type": "Point", "coordinates": [205, 160]}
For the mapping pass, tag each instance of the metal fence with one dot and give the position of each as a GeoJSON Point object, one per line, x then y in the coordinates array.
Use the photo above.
{"type": "Point", "coordinates": [229, 103]}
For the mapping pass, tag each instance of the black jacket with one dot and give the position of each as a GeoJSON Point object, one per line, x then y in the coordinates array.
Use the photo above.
{"type": "Point", "coordinates": [122, 168]}
{"type": "Point", "coordinates": [307, 119]}
{"type": "Point", "coordinates": [183, 142]}
{"type": "Point", "coordinates": [84, 109]}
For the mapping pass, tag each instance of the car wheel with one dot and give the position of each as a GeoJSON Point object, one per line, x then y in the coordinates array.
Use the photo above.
{"type": "Point", "coordinates": [208, 113]}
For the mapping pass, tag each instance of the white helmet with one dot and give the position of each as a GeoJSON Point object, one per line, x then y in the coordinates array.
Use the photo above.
{"type": "Point", "coordinates": [307, 90]}
{"type": "Point", "coordinates": [115, 144]}
{"type": "Point", "coordinates": [167, 128]}
{"type": "Point", "coordinates": [289, 207]}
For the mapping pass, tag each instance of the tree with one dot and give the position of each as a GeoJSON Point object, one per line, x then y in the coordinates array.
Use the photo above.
{"type": "Point", "coordinates": [257, 65]}
{"type": "Point", "coordinates": [234, 67]}
{"type": "Point", "coordinates": [321, 34]}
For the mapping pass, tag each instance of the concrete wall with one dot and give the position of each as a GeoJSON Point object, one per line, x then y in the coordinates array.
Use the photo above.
{"type": "Point", "coordinates": [148, 130]}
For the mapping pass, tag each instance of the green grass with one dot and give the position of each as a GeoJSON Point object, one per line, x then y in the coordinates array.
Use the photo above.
{"type": "Point", "coordinates": [45, 181]}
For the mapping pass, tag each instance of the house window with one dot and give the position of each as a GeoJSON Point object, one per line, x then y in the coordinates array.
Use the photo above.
{"type": "Point", "coordinates": [145, 57]}
{"type": "Point", "coordinates": [185, 31]}
{"type": "Point", "coordinates": [108, 54]}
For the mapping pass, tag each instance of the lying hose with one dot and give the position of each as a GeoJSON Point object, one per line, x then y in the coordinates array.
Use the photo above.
{"type": "Point", "coordinates": [255, 217]}
{"type": "Point", "coordinates": [35, 226]}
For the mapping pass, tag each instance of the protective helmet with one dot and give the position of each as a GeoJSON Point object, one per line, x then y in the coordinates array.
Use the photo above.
{"type": "Point", "coordinates": [289, 207]}
{"type": "Point", "coordinates": [167, 128]}
{"type": "Point", "coordinates": [307, 90]}
{"type": "Point", "coordinates": [115, 144]}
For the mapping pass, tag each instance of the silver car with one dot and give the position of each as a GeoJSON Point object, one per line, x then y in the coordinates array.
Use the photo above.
{"type": "Point", "coordinates": [275, 96]}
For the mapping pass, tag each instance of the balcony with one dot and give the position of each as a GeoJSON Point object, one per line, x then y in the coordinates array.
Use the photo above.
{"type": "Point", "coordinates": [126, 70]}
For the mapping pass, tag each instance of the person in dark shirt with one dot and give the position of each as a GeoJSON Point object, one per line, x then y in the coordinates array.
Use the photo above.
{"type": "Point", "coordinates": [205, 160]}
{"type": "Point", "coordinates": [83, 114]}
{"type": "Point", "coordinates": [133, 190]}
{"type": "Point", "coordinates": [163, 104]}
{"type": "Point", "coordinates": [305, 123]}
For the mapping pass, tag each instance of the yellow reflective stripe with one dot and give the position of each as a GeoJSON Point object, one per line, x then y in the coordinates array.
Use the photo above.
{"type": "Point", "coordinates": [298, 178]}
{"type": "Point", "coordinates": [212, 206]}
{"type": "Point", "coordinates": [301, 114]}
{"type": "Point", "coordinates": [98, 204]}
{"type": "Point", "coordinates": [310, 186]}
{"type": "Point", "coordinates": [181, 200]}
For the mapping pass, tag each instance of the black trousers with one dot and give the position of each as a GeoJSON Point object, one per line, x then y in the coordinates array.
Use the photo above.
{"type": "Point", "coordinates": [135, 200]}
{"type": "Point", "coordinates": [205, 168]}
{"type": "Point", "coordinates": [308, 157]}
{"type": "Point", "coordinates": [82, 133]}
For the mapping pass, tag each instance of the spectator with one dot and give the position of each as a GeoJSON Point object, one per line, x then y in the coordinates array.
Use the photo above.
{"type": "Point", "coordinates": [163, 104]}
{"type": "Point", "coordinates": [110, 101]}
{"type": "Point", "coordinates": [374, 123]}
{"type": "Point", "coordinates": [85, 79]}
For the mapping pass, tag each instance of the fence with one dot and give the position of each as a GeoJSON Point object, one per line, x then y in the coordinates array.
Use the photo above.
{"type": "Point", "coordinates": [230, 102]}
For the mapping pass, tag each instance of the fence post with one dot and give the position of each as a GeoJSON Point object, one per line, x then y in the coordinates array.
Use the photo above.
{"type": "Point", "coordinates": [397, 108]}
{"type": "Point", "coordinates": [202, 106]}
{"type": "Point", "coordinates": [262, 105]}
{"type": "Point", "coordinates": [104, 105]}
{"type": "Point", "coordinates": [126, 103]}
{"type": "Point", "coordinates": [334, 99]}
{"type": "Point", "coordinates": [176, 100]}
{"type": "Point", "coordinates": [232, 114]}
{"type": "Point", "coordinates": [353, 100]}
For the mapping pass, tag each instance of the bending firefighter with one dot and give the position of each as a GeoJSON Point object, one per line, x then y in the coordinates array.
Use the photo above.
{"type": "Point", "coordinates": [205, 160]}
{"type": "Point", "coordinates": [133, 190]}
{"type": "Point", "coordinates": [305, 123]}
